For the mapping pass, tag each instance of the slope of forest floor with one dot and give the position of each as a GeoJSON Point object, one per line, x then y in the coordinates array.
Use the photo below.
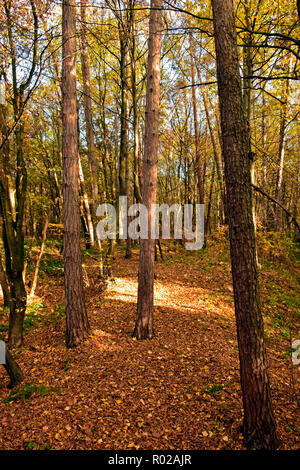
{"type": "Point", "coordinates": [180, 390]}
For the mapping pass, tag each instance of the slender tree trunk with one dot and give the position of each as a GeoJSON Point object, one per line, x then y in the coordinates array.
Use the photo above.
{"type": "Point", "coordinates": [77, 325]}
{"type": "Point", "coordinates": [88, 107]}
{"type": "Point", "coordinates": [259, 422]}
{"type": "Point", "coordinates": [297, 192]}
{"type": "Point", "coordinates": [4, 285]}
{"type": "Point", "coordinates": [127, 179]}
{"type": "Point", "coordinates": [124, 113]}
{"type": "Point", "coordinates": [144, 322]}
{"type": "Point", "coordinates": [38, 260]}
{"type": "Point", "coordinates": [207, 219]}
{"type": "Point", "coordinates": [264, 169]}
{"type": "Point", "coordinates": [217, 157]}
{"type": "Point", "coordinates": [196, 125]}
{"type": "Point", "coordinates": [281, 150]}
{"type": "Point", "coordinates": [86, 205]}
{"type": "Point", "coordinates": [13, 213]}
{"type": "Point", "coordinates": [94, 167]}
{"type": "Point", "coordinates": [135, 124]}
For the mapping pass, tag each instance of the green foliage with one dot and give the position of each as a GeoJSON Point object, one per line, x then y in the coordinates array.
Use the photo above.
{"type": "Point", "coordinates": [31, 445]}
{"type": "Point", "coordinates": [60, 309]}
{"type": "Point", "coordinates": [90, 252]}
{"type": "Point", "coordinates": [33, 315]}
{"type": "Point", "coordinates": [67, 363]}
{"type": "Point", "coordinates": [51, 265]}
{"type": "Point", "coordinates": [25, 392]}
{"type": "Point", "coordinates": [277, 246]}
{"type": "Point", "coordinates": [212, 390]}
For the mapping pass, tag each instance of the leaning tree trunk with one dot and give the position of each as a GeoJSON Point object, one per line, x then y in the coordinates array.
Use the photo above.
{"type": "Point", "coordinates": [77, 325]}
{"type": "Point", "coordinates": [144, 322]}
{"type": "Point", "coordinates": [259, 422]}
{"type": "Point", "coordinates": [13, 369]}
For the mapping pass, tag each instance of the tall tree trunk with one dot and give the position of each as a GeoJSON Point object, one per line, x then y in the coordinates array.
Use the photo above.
{"type": "Point", "coordinates": [88, 109]}
{"type": "Point", "coordinates": [144, 321]}
{"type": "Point", "coordinates": [196, 126]}
{"type": "Point", "coordinates": [259, 422]}
{"type": "Point", "coordinates": [127, 179]}
{"type": "Point", "coordinates": [264, 169]}
{"type": "Point", "coordinates": [135, 123]}
{"type": "Point", "coordinates": [124, 112]}
{"type": "Point", "coordinates": [77, 325]}
{"type": "Point", "coordinates": [13, 213]}
{"type": "Point", "coordinates": [94, 167]}
{"type": "Point", "coordinates": [217, 157]}
{"type": "Point", "coordinates": [281, 149]}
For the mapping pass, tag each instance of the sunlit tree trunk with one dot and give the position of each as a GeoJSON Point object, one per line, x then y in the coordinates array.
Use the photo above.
{"type": "Point", "coordinates": [77, 325]}
{"type": "Point", "coordinates": [144, 322]}
{"type": "Point", "coordinates": [281, 148]}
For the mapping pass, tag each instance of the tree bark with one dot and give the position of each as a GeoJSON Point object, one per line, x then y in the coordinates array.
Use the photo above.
{"type": "Point", "coordinates": [86, 206]}
{"type": "Point", "coordinates": [38, 260]}
{"type": "Point", "coordinates": [88, 108]}
{"type": "Point", "coordinates": [200, 182]}
{"type": "Point", "coordinates": [4, 285]}
{"type": "Point", "coordinates": [13, 369]}
{"type": "Point", "coordinates": [77, 324]}
{"type": "Point", "coordinates": [144, 321]}
{"type": "Point", "coordinates": [281, 150]}
{"type": "Point", "coordinates": [259, 422]}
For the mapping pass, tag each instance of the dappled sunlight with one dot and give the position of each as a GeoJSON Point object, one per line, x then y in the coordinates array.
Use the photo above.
{"type": "Point", "coordinates": [193, 300]}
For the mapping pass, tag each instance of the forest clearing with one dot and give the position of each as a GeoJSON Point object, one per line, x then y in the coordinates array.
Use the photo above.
{"type": "Point", "coordinates": [180, 390]}
{"type": "Point", "coordinates": [149, 226]}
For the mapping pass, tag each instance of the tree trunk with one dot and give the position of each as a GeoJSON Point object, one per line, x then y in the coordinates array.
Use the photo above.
{"type": "Point", "coordinates": [281, 150]}
{"type": "Point", "coordinates": [77, 325]}
{"type": "Point", "coordinates": [135, 123]}
{"type": "Point", "coordinates": [144, 322]}
{"type": "Point", "coordinates": [4, 285]}
{"type": "Point", "coordinates": [217, 157]}
{"type": "Point", "coordinates": [88, 109]}
{"type": "Point", "coordinates": [196, 126]}
{"type": "Point", "coordinates": [124, 112]}
{"type": "Point", "coordinates": [259, 422]}
{"type": "Point", "coordinates": [86, 206]}
{"type": "Point", "coordinates": [14, 371]}
{"type": "Point", "coordinates": [13, 211]}
{"type": "Point", "coordinates": [38, 260]}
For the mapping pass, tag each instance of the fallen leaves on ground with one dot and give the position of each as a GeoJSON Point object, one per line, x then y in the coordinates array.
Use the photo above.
{"type": "Point", "coordinates": [180, 390]}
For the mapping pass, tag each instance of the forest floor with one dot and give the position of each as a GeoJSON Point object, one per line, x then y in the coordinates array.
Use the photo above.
{"type": "Point", "coordinates": [180, 390]}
